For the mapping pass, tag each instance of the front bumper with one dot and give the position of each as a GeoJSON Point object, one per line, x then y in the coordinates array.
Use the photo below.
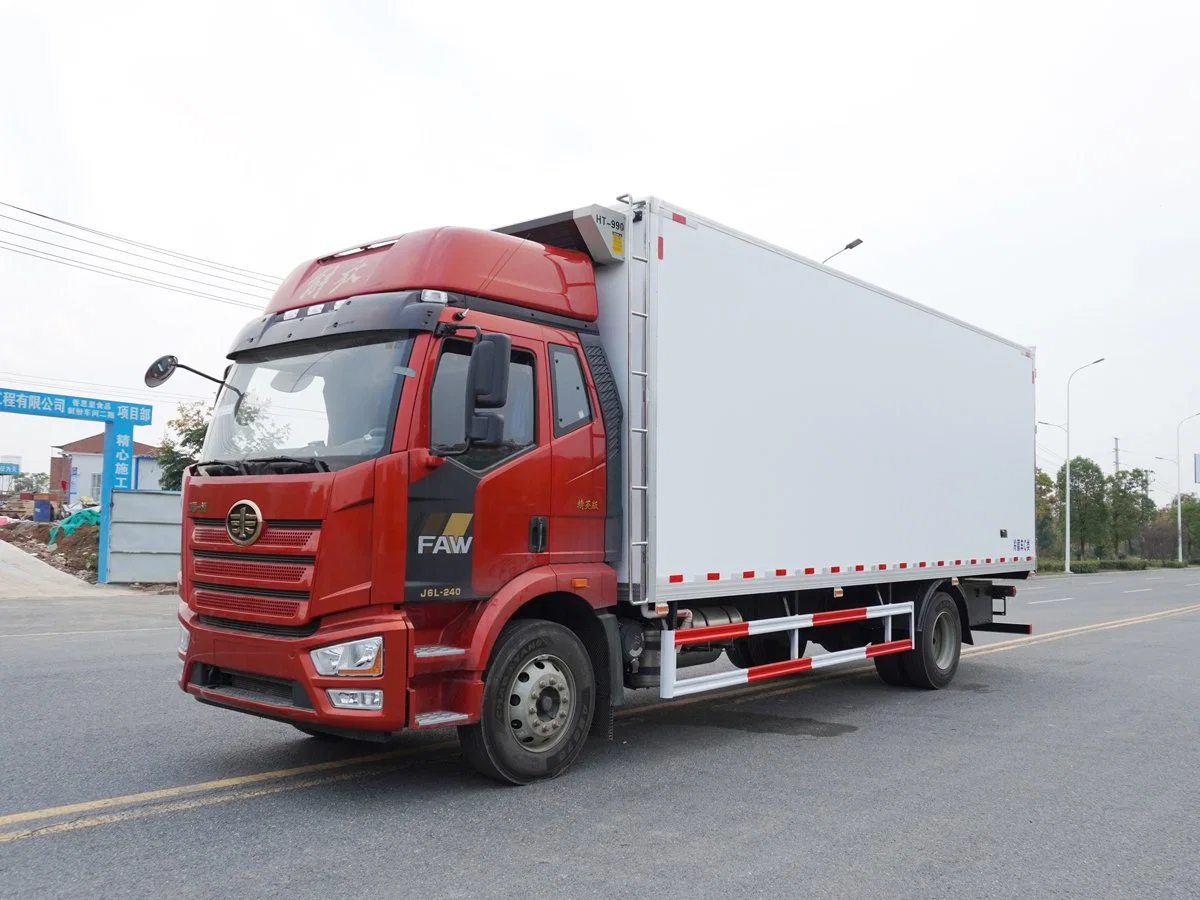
{"type": "Point", "coordinates": [273, 677]}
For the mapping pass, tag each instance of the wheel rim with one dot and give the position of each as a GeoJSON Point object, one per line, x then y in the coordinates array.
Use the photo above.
{"type": "Point", "coordinates": [943, 640]}
{"type": "Point", "coordinates": [540, 700]}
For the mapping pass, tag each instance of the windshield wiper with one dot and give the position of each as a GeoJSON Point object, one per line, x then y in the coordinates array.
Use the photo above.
{"type": "Point", "coordinates": [235, 464]}
{"type": "Point", "coordinates": [316, 462]}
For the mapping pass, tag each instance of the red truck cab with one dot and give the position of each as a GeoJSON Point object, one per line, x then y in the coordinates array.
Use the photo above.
{"type": "Point", "coordinates": [411, 459]}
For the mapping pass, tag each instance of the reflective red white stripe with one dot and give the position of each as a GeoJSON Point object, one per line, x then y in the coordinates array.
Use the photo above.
{"type": "Point", "coordinates": [855, 569]}
{"type": "Point", "coordinates": [670, 687]}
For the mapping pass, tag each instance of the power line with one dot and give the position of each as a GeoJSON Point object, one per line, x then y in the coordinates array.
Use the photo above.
{"type": "Point", "coordinates": [144, 395]}
{"type": "Point", "coordinates": [45, 381]}
{"type": "Point", "coordinates": [177, 255]}
{"type": "Point", "coordinates": [1051, 453]}
{"type": "Point", "coordinates": [119, 262]}
{"type": "Point", "coordinates": [88, 267]}
{"type": "Point", "coordinates": [154, 259]}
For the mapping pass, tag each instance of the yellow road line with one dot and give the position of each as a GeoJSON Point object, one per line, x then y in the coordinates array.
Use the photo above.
{"type": "Point", "coordinates": [102, 631]}
{"type": "Point", "coordinates": [978, 650]}
{"type": "Point", "coordinates": [141, 812]}
{"type": "Point", "coordinates": [360, 765]}
{"type": "Point", "coordinates": [219, 784]}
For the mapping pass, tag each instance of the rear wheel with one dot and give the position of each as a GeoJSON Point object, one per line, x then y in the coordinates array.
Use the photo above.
{"type": "Point", "coordinates": [890, 669]}
{"type": "Point", "coordinates": [933, 662]}
{"type": "Point", "coordinates": [538, 701]}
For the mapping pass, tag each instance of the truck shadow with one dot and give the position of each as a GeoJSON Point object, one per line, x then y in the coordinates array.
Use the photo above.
{"type": "Point", "coordinates": [432, 761]}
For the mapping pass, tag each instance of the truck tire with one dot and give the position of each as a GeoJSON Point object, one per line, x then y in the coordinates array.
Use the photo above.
{"type": "Point", "coordinates": [933, 662]}
{"type": "Point", "coordinates": [539, 696]}
{"type": "Point", "coordinates": [891, 670]}
{"type": "Point", "coordinates": [745, 653]}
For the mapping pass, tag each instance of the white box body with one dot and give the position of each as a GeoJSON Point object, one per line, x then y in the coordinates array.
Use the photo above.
{"type": "Point", "coordinates": [804, 428]}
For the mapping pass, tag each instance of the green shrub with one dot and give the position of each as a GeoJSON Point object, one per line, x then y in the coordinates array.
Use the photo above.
{"type": "Point", "coordinates": [1092, 566]}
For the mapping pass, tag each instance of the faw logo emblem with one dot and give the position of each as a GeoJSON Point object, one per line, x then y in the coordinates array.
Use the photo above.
{"type": "Point", "coordinates": [445, 533]}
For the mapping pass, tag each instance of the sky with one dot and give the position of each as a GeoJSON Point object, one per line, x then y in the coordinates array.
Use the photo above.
{"type": "Point", "coordinates": [1028, 167]}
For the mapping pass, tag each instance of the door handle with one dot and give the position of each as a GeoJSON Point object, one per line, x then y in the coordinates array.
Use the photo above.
{"type": "Point", "coordinates": [538, 527]}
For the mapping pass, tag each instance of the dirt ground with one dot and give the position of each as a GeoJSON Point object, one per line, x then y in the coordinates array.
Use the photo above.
{"type": "Point", "coordinates": [76, 554]}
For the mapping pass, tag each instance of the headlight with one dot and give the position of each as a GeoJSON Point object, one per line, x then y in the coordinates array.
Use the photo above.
{"type": "Point", "coordinates": [362, 657]}
{"type": "Point", "coordinates": [184, 637]}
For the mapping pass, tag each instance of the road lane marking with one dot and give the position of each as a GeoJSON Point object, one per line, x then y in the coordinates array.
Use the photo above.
{"type": "Point", "coordinates": [1092, 583]}
{"type": "Point", "coordinates": [1055, 600]}
{"type": "Point", "coordinates": [142, 812]}
{"type": "Point", "coordinates": [1000, 646]}
{"type": "Point", "coordinates": [1137, 591]}
{"type": "Point", "coordinates": [359, 766]}
{"type": "Point", "coordinates": [103, 631]}
{"type": "Point", "coordinates": [219, 784]}
{"type": "Point", "coordinates": [1194, 584]}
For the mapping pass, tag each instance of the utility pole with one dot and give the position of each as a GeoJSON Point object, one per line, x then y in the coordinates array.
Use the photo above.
{"type": "Point", "coordinates": [1117, 456]}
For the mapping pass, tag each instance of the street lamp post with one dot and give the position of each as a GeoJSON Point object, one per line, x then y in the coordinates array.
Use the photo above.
{"type": "Point", "coordinates": [1067, 533]}
{"type": "Point", "coordinates": [850, 246]}
{"type": "Point", "coordinates": [1179, 485]}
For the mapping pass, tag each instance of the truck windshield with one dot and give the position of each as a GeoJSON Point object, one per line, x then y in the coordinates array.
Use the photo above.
{"type": "Point", "coordinates": [322, 408]}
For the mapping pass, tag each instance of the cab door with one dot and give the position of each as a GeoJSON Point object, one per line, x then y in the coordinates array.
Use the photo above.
{"type": "Point", "coordinates": [478, 519]}
{"type": "Point", "coordinates": [579, 501]}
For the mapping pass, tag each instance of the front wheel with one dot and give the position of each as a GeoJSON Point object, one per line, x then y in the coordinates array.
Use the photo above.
{"type": "Point", "coordinates": [934, 660]}
{"type": "Point", "coordinates": [538, 700]}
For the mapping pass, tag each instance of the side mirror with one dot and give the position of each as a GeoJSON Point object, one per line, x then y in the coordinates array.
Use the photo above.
{"type": "Point", "coordinates": [487, 389]}
{"type": "Point", "coordinates": [487, 372]}
{"type": "Point", "coordinates": [160, 370]}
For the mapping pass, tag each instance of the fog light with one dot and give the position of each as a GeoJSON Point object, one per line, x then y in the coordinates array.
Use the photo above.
{"type": "Point", "coordinates": [355, 699]}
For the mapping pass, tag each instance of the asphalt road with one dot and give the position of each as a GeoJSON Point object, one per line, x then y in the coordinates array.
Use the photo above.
{"type": "Point", "coordinates": [1064, 765]}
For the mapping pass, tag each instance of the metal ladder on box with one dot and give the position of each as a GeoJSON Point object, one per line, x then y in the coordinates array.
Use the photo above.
{"type": "Point", "coordinates": [637, 390]}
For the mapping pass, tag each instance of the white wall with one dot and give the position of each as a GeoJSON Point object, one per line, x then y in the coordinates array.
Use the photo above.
{"type": "Point", "coordinates": [90, 465]}
{"type": "Point", "coordinates": [144, 543]}
{"type": "Point", "coordinates": [149, 474]}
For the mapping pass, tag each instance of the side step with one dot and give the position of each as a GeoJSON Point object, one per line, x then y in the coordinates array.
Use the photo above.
{"type": "Point", "coordinates": [440, 719]}
{"type": "Point", "coordinates": [429, 651]}
{"type": "Point", "coordinates": [670, 686]}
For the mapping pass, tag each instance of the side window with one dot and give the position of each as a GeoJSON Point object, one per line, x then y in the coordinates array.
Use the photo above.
{"type": "Point", "coordinates": [448, 414]}
{"type": "Point", "coordinates": [572, 407]}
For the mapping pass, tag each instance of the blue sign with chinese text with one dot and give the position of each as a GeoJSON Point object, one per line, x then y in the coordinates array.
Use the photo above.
{"type": "Point", "coordinates": [39, 403]}
{"type": "Point", "coordinates": [119, 420]}
{"type": "Point", "coordinates": [9, 469]}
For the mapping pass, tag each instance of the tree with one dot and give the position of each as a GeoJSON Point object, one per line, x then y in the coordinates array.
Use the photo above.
{"type": "Point", "coordinates": [37, 483]}
{"type": "Point", "coordinates": [182, 444]}
{"type": "Point", "coordinates": [1130, 507]}
{"type": "Point", "coordinates": [187, 431]}
{"type": "Point", "coordinates": [1089, 506]}
{"type": "Point", "coordinates": [1046, 513]}
{"type": "Point", "coordinates": [1158, 538]}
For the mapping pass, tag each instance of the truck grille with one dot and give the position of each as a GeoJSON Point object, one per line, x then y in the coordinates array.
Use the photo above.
{"type": "Point", "coordinates": [255, 688]}
{"type": "Point", "coordinates": [286, 631]}
{"type": "Point", "coordinates": [214, 534]}
{"type": "Point", "coordinates": [267, 582]}
{"type": "Point", "coordinates": [256, 568]}
{"type": "Point", "coordinates": [215, 600]}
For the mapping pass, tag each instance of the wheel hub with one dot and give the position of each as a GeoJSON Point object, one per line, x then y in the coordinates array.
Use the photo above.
{"type": "Point", "coordinates": [943, 641]}
{"type": "Point", "coordinates": [539, 700]}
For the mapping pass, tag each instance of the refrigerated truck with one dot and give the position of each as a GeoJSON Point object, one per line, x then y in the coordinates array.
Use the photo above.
{"type": "Point", "coordinates": [494, 479]}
